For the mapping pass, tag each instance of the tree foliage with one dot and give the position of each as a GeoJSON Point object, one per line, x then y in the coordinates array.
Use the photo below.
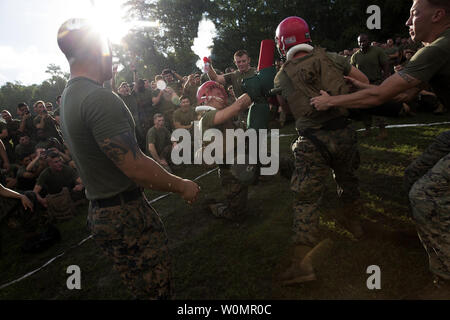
{"type": "Point", "coordinates": [240, 24]}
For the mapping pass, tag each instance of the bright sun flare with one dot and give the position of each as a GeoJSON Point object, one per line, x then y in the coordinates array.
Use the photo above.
{"type": "Point", "coordinates": [108, 18]}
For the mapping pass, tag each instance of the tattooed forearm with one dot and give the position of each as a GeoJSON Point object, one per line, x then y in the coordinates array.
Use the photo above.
{"type": "Point", "coordinates": [117, 147]}
{"type": "Point", "coordinates": [406, 77]}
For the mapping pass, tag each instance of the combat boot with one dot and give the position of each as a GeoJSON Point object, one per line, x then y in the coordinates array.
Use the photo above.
{"type": "Point", "coordinates": [349, 218]}
{"type": "Point", "coordinates": [303, 270]}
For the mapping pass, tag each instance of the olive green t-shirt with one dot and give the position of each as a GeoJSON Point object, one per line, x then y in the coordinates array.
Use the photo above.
{"type": "Point", "coordinates": [207, 120]}
{"type": "Point", "coordinates": [53, 182]}
{"type": "Point", "coordinates": [370, 63]}
{"type": "Point", "coordinates": [235, 79]}
{"type": "Point", "coordinates": [317, 118]}
{"type": "Point", "coordinates": [390, 51]}
{"type": "Point", "coordinates": [159, 137]}
{"type": "Point", "coordinates": [431, 65]}
{"type": "Point", "coordinates": [184, 118]}
{"type": "Point", "coordinates": [89, 115]}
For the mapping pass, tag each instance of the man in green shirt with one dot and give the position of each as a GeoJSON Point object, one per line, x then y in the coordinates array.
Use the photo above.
{"type": "Point", "coordinates": [427, 179]}
{"type": "Point", "coordinates": [184, 116]}
{"type": "Point", "coordinates": [56, 177]}
{"type": "Point", "coordinates": [159, 145]}
{"type": "Point", "coordinates": [99, 131]}
{"type": "Point", "coordinates": [214, 95]}
{"type": "Point", "coordinates": [393, 54]}
{"type": "Point", "coordinates": [45, 122]}
{"type": "Point", "coordinates": [374, 63]}
{"type": "Point", "coordinates": [242, 61]}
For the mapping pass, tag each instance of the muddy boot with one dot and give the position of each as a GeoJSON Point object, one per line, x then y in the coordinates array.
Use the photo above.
{"type": "Point", "coordinates": [304, 271]}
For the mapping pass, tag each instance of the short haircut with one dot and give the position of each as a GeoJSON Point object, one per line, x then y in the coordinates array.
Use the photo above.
{"type": "Point", "coordinates": [166, 71]}
{"type": "Point", "coordinates": [79, 40]}
{"type": "Point", "coordinates": [158, 77]}
{"type": "Point", "coordinates": [158, 115]}
{"type": "Point", "coordinates": [185, 97]}
{"type": "Point", "coordinates": [48, 104]}
{"type": "Point", "coordinates": [21, 104]}
{"type": "Point", "coordinates": [445, 4]}
{"type": "Point", "coordinates": [240, 53]}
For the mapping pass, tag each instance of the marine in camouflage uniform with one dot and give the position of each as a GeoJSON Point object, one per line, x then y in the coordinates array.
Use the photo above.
{"type": "Point", "coordinates": [427, 178]}
{"type": "Point", "coordinates": [326, 143]}
{"type": "Point", "coordinates": [133, 235]}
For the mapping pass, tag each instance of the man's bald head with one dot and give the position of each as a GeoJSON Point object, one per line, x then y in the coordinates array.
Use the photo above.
{"type": "Point", "coordinates": [82, 44]}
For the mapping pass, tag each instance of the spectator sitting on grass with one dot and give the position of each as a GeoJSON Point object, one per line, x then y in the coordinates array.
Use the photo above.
{"type": "Point", "coordinates": [61, 185]}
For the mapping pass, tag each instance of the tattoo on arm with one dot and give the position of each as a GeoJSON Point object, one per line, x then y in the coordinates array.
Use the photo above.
{"type": "Point", "coordinates": [406, 77]}
{"type": "Point", "coordinates": [117, 147]}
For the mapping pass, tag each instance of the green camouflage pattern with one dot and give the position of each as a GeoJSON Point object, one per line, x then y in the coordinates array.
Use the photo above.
{"type": "Point", "coordinates": [430, 202]}
{"type": "Point", "coordinates": [133, 235]}
{"type": "Point", "coordinates": [309, 177]}
{"type": "Point", "coordinates": [419, 167]}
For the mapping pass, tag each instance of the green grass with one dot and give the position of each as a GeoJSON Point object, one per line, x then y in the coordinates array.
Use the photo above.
{"type": "Point", "coordinates": [218, 259]}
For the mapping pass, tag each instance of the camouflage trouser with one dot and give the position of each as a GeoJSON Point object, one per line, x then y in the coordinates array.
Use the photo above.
{"type": "Point", "coordinates": [133, 235]}
{"type": "Point", "coordinates": [430, 202]}
{"type": "Point", "coordinates": [310, 173]}
{"type": "Point", "coordinates": [435, 151]}
{"type": "Point", "coordinates": [236, 194]}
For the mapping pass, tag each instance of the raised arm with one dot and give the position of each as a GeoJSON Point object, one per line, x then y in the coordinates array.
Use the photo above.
{"type": "Point", "coordinates": [242, 103]}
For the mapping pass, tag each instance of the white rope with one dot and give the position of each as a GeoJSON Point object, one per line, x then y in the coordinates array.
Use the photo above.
{"type": "Point", "coordinates": [199, 177]}
{"type": "Point", "coordinates": [86, 239]}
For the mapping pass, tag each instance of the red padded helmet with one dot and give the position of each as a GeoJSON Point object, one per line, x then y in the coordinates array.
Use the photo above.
{"type": "Point", "coordinates": [203, 90]}
{"type": "Point", "coordinates": [290, 32]}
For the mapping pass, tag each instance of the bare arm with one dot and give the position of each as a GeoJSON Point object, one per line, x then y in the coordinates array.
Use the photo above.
{"type": "Point", "coordinates": [8, 193]}
{"type": "Point", "coordinates": [123, 150]}
{"type": "Point", "coordinates": [3, 155]}
{"type": "Point", "coordinates": [214, 76]}
{"type": "Point", "coordinates": [153, 152]}
{"type": "Point", "coordinates": [372, 96]}
{"type": "Point", "coordinates": [157, 99]}
{"type": "Point", "coordinates": [37, 188]}
{"type": "Point", "coordinates": [242, 103]}
{"type": "Point", "coordinates": [358, 75]}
